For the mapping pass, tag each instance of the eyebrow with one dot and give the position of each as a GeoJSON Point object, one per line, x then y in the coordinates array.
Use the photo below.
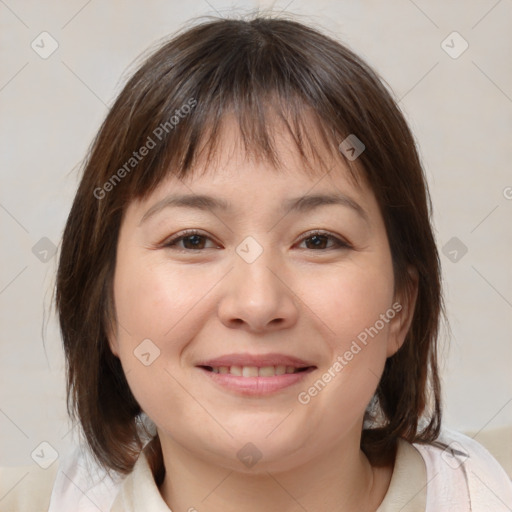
{"type": "Point", "coordinates": [298, 204]}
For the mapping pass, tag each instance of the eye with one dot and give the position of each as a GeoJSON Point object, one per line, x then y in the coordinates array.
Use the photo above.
{"type": "Point", "coordinates": [318, 240]}
{"type": "Point", "coordinates": [192, 240]}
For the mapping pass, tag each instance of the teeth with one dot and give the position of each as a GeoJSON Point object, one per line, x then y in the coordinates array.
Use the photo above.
{"type": "Point", "coordinates": [249, 371]}
{"type": "Point", "coordinates": [267, 371]}
{"type": "Point", "coordinates": [236, 370]}
{"type": "Point", "coordinates": [280, 370]}
{"type": "Point", "coordinates": [254, 371]}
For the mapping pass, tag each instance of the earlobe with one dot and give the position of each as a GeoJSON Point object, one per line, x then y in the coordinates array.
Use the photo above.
{"type": "Point", "coordinates": [113, 348]}
{"type": "Point", "coordinates": [113, 340]}
{"type": "Point", "coordinates": [404, 305]}
{"type": "Point", "coordinates": [112, 334]}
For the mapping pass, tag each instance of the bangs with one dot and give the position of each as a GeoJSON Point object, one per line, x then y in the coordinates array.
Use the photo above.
{"type": "Point", "coordinates": [183, 100]}
{"type": "Point", "coordinates": [198, 145]}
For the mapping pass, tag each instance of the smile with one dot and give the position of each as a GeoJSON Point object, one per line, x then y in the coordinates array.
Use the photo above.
{"type": "Point", "coordinates": [254, 371]}
{"type": "Point", "coordinates": [254, 374]}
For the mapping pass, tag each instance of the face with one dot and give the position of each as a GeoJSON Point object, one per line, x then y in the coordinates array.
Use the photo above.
{"type": "Point", "coordinates": [261, 315]}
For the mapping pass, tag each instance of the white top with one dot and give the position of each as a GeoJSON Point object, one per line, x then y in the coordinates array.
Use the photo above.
{"type": "Point", "coordinates": [463, 478]}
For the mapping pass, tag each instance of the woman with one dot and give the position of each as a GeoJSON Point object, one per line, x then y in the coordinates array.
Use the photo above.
{"type": "Point", "coordinates": [249, 292]}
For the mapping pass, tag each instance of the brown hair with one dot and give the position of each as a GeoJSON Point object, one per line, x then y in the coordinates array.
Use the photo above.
{"type": "Point", "coordinates": [250, 68]}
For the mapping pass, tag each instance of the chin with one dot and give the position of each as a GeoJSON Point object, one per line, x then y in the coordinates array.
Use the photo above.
{"type": "Point", "coordinates": [259, 454]}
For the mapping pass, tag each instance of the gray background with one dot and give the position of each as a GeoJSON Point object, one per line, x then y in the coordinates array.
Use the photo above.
{"type": "Point", "coordinates": [460, 110]}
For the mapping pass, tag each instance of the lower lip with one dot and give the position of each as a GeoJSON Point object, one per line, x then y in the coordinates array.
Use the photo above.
{"type": "Point", "coordinates": [256, 386]}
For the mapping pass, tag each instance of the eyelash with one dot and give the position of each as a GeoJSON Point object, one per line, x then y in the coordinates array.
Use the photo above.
{"type": "Point", "coordinates": [338, 243]}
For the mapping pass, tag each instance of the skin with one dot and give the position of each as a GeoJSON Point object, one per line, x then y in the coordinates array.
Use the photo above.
{"type": "Point", "coordinates": [293, 299]}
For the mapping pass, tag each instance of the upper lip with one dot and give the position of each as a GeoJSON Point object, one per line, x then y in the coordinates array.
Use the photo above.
{"type": "Point", "coordinates": [255, 360]}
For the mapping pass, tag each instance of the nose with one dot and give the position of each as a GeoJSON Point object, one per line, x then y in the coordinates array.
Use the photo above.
{"type": "Point", "coordinates": [258, 296]}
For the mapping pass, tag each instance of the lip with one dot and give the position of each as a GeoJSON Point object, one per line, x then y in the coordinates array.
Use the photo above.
{"type": "Point", "coordinates": [255, 386]}
{"type": "Point", "coordinates": [256, 360]}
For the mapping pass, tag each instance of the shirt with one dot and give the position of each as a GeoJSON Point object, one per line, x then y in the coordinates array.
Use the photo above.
{"type": "Point", "coordinates": [426, 478]}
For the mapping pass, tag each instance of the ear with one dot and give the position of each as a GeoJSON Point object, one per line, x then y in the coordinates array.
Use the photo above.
{"type": "Point", "coordinates": [112, 334]}
{"type": "Point", "coordinates": [113, 344]}
{"type": "Point", "coordinates": [404, 306]}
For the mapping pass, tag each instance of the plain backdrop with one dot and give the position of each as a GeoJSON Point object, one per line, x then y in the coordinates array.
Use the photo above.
{"type": "Point", "coordinates": [455, 89]}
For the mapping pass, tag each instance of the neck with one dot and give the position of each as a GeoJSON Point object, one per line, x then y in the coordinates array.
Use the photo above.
{"type": "Point", "coordinates": [341, 480]}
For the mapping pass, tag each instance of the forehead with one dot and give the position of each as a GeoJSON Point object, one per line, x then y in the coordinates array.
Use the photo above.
{"type": "Point", "coordinates": [228, 166]}
{"type": "Point", "coordinates": [237, 185]}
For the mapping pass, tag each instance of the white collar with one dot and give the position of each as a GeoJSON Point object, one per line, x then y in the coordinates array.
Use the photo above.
{"type": "Point", "coordinates": [478, 481]}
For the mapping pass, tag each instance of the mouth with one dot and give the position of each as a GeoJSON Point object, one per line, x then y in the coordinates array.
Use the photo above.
{"type": "Point", "coordinates": [255, 375]}
{"type": "Point", "coordinates": [255, 371]}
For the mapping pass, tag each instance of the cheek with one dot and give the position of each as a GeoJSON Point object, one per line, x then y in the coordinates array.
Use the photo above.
{"type": "Point", "coordinates": [355, 303]}
{"type": "Point", "coordinates": [350, 299]}
{"type": "Point", "coordinates": [153, 301]}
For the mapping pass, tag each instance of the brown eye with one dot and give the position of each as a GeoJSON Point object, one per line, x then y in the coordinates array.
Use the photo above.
{"type": "Point", "coordinates": [320, 241]}
{"type": "Point", "coordinates": [317, 242]}
{"type": "Point", "coordinates": [191, 241]}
